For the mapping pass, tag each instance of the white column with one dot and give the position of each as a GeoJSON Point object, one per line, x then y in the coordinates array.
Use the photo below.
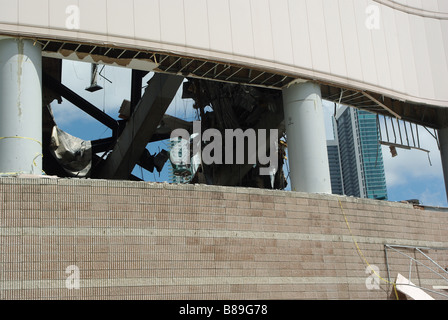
{"type": "Point", "coordinates": [20, 106]}
{"type": "Point", "coordinates": [443, 140]}
{"type": "Point", "coordinates": [305, 130]}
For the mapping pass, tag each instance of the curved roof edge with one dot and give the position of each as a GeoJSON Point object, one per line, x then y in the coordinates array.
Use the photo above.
{"type": "Point", "coordinates": [395, 51]}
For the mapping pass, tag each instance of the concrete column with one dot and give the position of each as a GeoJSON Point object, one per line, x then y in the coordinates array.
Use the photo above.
{"type": "Point", "coordinates": [443, 140]}
{"type": "Point", "coordinates": [20, 106]}
{"type": "Point", "coordinates": [305, 130]}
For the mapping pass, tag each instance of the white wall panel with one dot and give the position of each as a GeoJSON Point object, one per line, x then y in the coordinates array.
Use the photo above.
{"type": "Point", "coordinates": [196, 23]}
{"type": "Point", "coordinates": [444, 30]}
{"type": "Point", "coordinates": [381, 52]}
{"type": "Point", "coordinates": [443, 6]}
{"type": "Point", "coordinates": [415, 4]}
{"type": "Point", "coordinates": [120, 18]}
{"type": "Point", "coordinates": [172, 20]}
{"type": "Point", "coordinates": [32, 12]}
{"type": "Point", "coordinates": [57, 12]}
{"type": "Point", "coordinates": [147, 19]}
{"type": "Point", "coordinates": [427, 5]}
{"type": "Point", "coordinates": [298, 17]}
{"type": "Point", "coordinates": [366, 50]}
{"type": "Point", "coordinates": [421, 54]}
{"type": "Point", "coordinates": [406, 57]}
{"type": "Point", "coordinates": [262, 29]}
{"type": "Point", "coordinates": [281, 31]}
{"type": "Point", "coordinates": [220, 26]}
{"type": "Point", "coordinates": [431, 5]}
{"type": "Point", "coordinates": [437, 58]}
{"type": "Point", "coordinates": [9, 12]}
{"type": "Point", "coordinates": [336, 50]}
{"type": "Point", "coordinates": [350, 40]}
{"type": "Point", "coordinates": [318, 36]}
{"type": "Point", "coordinates": [92, 16]}
{"type": "Point", "coordinates": [390, 34]}
{"type": "Point", "coordinates": [242, 37]}
{"type": "Point", "coordinates": [328, 40]}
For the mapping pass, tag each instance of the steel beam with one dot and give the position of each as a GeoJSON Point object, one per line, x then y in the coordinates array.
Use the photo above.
{"type": "Point", "coordinates": [136, 87]}
{"type": "Point", "coordinates": [79, 102]}
{"type": "Point", "coordinates": [141, 126]}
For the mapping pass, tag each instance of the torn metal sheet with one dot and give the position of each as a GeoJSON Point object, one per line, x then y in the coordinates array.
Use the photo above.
{"type": "Point", "coordinates": [72, 153]}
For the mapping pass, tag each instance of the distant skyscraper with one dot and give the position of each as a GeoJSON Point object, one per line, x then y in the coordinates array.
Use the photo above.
{"type": "Point", "coordinates": [337, 186]}
{"type": "Point", "coordinates": [355, 156]}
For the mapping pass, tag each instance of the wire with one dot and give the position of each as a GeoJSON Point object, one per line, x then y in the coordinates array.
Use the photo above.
{"type": "Point", "coordinates": [101, 135]}
{"type": "Point", "coordinates": [362, 255]}
{"type": "Point", "coordinates": [74, 69]}
{"type": "Point", "coordinates": [37, 155]}
{"type": "Point", "coordinates": [25, 138]}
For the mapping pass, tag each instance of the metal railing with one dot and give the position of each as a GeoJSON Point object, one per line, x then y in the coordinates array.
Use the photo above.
{"type": "Point", "coordinates": [443, 275]}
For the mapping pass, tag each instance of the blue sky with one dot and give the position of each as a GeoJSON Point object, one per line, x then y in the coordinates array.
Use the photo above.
{"type": "Point", "coordinates": [409, 175]}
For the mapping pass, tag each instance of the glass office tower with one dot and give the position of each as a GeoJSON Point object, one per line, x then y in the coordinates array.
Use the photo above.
{"type": "Point", "coordinates": [360, 156]}
{"type": "Point", "coordinates": [335, 167]}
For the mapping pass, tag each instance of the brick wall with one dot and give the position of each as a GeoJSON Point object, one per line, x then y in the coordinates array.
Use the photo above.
{"type": "Point", "coordinates": [138, 240]}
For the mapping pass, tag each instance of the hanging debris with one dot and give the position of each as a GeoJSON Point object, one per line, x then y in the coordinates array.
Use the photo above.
{"type": "Point", "coordinates": [224, 106]}
{"type": "Point", "coordinates": [220, 106]}
{"type": "Point", "coordinates": [397, 133]}
{"type": "Point", "coordinates": [72, 153]}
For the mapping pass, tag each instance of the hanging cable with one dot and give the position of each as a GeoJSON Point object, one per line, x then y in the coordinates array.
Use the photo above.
{"type": "Point", "coordinates": [362, 255]}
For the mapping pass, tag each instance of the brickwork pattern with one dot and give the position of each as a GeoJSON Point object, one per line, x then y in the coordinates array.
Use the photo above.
{"type": "Point", "coordinates": [136, 240]}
